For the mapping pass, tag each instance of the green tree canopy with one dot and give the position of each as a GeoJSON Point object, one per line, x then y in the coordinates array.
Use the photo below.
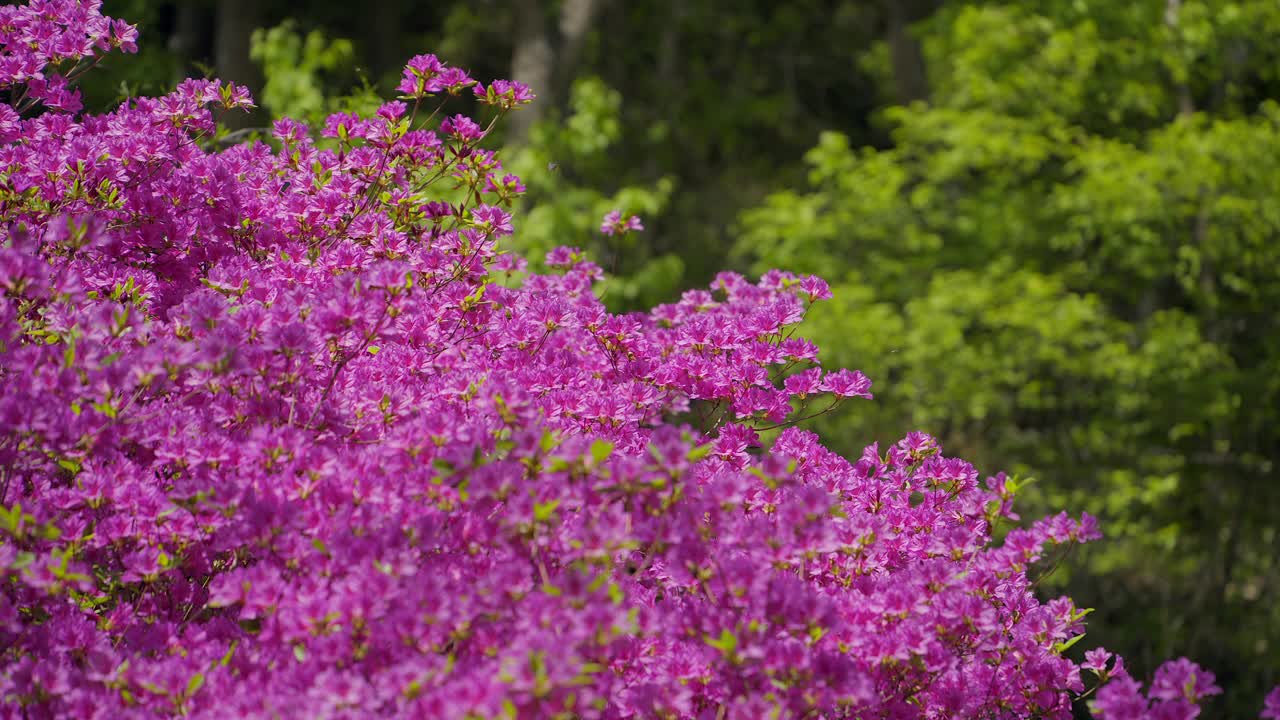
{"type": "Point", "coordinates": [1065, 262]}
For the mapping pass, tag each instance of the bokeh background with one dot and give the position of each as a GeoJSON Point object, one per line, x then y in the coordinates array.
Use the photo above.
{"type": "Point", "coordinates": [1052, 228]}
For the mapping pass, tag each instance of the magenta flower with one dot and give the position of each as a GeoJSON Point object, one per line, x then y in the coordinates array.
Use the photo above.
{"type": "Point", "coordinates": [418, 78]}
{"type": "Point", "coordinates": [815, 287]}
{"type": "Point", "coordinates": [1182, 679]}
{"type": "Point", "coordinates": [804, 383]}
{"type": "Point", "coordinates": [451, 80]}
{"type": "Point", "coordinates": [491, 220]}
{"type": "Point", "coordinates": [1097, 660]}
{"type": "Point", "coordinates": [461, 128]}
{"type": "Point", "coordinates": [1121, 699]}
{"type": "Point", "coordinates": [506, 188]}
{"type": "Point", "coordinates": [847, 383]}
{"type": "Point", "coordinates": [1271, 707]}
{"type": "Point", "coordinates": [614, 224]}
{"type": "Point", "coordinates": [504, 94]}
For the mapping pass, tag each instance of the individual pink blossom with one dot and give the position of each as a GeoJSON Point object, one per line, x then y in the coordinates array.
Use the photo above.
{"type": "Point", "coordinates": [1271, 706]}
{"type": "Point", "coordinates": [614, 224]}
{"type": "Point", "coordinates": [847, 383]}
{"type": "Point", "coordinates": [504, 94]}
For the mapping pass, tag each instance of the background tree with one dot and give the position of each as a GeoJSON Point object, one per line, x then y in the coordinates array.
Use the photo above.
{"type": "Point", "coordinates": [1071, 249]}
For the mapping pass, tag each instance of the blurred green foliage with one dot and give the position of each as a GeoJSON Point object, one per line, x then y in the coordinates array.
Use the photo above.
{"type": "Point", "coordinates": [1066, 264]}
{"type": "Point", "coordinates": [298, 70]}
{"type": "Point", "coordinates": [566, 166]}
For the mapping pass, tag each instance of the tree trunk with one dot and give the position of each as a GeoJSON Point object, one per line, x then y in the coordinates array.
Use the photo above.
{"type": "Point", "coordinates": [236, 21]}
{"type": "Point", "coordinates": [547, 61]}
{"type": "Point", "coordinates": [576, 20]}
{"type": "Point", "coordinates": [1172, 13]}
{"type": "Point", "coordinates": [381, 33]}
{"type": "Point", "coordinates": [910, 76]}
{"type": "Point", "coordinates": [533, 63]}
{"type": "Point", "coordinates": [185, 40]}
{"type": "Point", "coordinates": [669, 76]}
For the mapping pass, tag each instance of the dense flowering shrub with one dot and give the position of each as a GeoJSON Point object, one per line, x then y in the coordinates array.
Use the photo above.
{"type": "Point", "coordinates": [284, 434]}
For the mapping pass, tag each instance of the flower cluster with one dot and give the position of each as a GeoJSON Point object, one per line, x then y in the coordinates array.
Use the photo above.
{"type": "Point", "coordinates": [1271, 707]}
{"type": "Point", "coordinates": [1175, 691]}
{"type": "Point", "coordinates": [615, 224]}
{"type": "Point", "coordinates": [283, 433]}
{"type": "Point", "coordinates": [42, 45]}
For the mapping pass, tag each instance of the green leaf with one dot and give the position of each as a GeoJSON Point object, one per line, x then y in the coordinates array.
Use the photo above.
{"type": "Point", "coordinates": [700, 452]}
{"type": "Point", "coordinates": [548, 442]}
{"type": "Point", "coordinates": [194, 684]}
{"type": "Point", "coordinates": [10, 518]}
{"type": "Point", "coordinates": [727, 643]}
{"type": "Point", "coordinates": [1066, 645]}
{"type": "Point", "coordinates": [1080, 613]}
{"type": "Point", "coordinates": [600, 451]}
{"type": "Point", "coordinates": [231, 651]}
{"type": "Point", "coordinates": [542, 512]}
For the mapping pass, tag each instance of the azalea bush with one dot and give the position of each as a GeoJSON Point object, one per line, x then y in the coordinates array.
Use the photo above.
{"type": "Point", "coordinates": [284, 433]}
